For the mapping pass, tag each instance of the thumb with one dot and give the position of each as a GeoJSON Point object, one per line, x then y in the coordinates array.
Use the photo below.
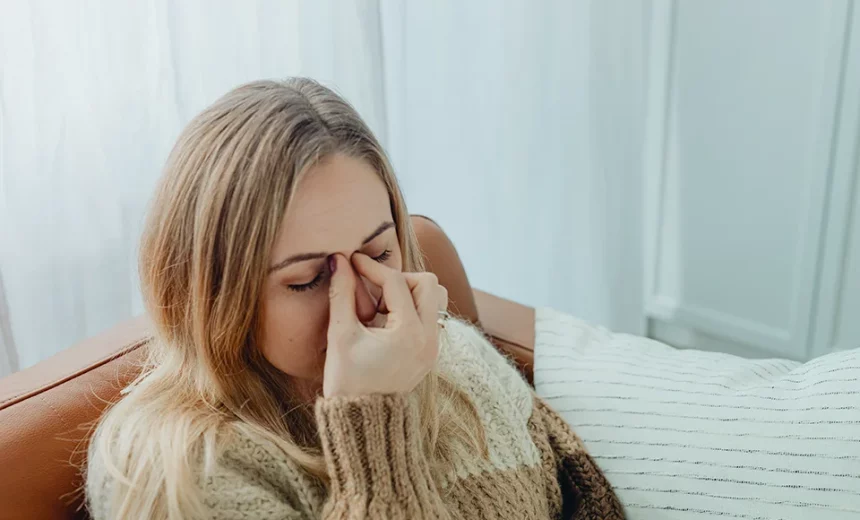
{"type": "Point", "coordinates": [341, 292]}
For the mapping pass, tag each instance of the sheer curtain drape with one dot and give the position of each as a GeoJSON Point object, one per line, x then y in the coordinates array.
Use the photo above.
{"type": "Point", "coordinates": [516, 125]}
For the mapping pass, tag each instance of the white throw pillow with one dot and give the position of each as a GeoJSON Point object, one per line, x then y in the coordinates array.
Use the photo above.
{"type": "Point", "coordinates": [684, 434]}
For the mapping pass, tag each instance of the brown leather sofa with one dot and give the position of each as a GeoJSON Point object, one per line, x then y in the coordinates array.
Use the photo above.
{"type": "Point", "coordinates": [47, 411]}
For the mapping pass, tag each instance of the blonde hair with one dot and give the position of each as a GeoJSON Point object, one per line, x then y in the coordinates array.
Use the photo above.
{"type": "Point", "coordinates": [203, 260]}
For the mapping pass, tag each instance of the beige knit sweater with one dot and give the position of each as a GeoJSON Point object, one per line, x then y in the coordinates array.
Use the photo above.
{"type": "Point", "coordinates": [537, 468]}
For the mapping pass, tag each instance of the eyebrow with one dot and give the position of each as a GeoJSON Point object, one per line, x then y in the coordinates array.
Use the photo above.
{"type": "Point", "coordinates": [302, 257]}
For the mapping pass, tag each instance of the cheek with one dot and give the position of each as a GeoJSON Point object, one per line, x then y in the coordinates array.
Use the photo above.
{"type": "Point", "coordinates": [295, 331]}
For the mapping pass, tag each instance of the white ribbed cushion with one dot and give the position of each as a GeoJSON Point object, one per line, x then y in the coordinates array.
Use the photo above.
{"type": "Point", "coordinates": [685, 434]}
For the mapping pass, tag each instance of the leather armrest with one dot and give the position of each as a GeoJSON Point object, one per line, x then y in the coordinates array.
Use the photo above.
{"type": "Point", "coordinates": [511, 327]}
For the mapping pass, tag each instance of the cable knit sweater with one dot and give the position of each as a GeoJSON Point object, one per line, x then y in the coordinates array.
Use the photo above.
{"type": "Point", "coordinates": [537, 467]}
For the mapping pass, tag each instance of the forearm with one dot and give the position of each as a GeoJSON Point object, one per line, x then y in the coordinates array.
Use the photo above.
{"type": "Point", "coordinates": [373, 451]}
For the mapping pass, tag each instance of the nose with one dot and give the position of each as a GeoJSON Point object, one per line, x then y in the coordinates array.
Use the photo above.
{"type": "Point", "coordinates": [366, 299]}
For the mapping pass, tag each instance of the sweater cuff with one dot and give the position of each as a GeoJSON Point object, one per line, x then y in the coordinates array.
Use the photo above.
{"type": "Point", "coordinates": [372, 448]}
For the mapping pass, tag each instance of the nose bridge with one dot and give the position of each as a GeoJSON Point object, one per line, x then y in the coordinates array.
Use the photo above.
{"type": "Point", "coordinates": [365, 300]}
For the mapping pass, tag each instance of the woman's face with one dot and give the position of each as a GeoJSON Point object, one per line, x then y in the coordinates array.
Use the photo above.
{"type": "Point", "coordinates": [340, 206]}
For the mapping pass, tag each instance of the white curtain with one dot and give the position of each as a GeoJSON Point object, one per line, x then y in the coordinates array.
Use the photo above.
{"type": "Point", "coordinates": [516, 125]}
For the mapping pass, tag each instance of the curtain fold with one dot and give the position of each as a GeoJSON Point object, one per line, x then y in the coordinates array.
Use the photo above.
{"type": "Point", "coordinates": [502, 119]}
{"type": "Point", "coordinates": [518, 126]}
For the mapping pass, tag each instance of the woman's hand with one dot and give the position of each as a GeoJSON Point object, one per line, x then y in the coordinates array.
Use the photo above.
{"type": "Point", "coordinates": [364, 360]}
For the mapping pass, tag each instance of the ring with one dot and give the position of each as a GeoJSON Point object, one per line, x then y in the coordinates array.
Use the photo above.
{"type": "Point", "coordinates": [443, 316]}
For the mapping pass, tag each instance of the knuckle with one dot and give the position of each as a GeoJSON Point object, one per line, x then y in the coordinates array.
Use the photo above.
{"type": "Point", "coordinates": [393, 276]}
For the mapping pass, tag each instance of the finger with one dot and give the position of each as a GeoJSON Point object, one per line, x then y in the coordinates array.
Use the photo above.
{"type": "Point", "coordinates": [341, 293]}
{"type": "Point", "coordinates": [414, 279]}
{"type": "Point", "coordinates": [411, 282]}
{"type": "Point", "coordinates": [442, 304]}
{"type": "Point", "coordinates": [395, 292]}
{"type": "Point", "coordinates": [428, 295]}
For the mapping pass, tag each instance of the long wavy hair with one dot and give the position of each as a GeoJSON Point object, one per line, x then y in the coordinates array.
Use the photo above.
{"type": "Point", "coordinates": [203, 260]}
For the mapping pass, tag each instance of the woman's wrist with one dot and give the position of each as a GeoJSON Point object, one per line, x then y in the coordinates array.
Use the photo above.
{"type": "Point", "coordinates": [371, 443]}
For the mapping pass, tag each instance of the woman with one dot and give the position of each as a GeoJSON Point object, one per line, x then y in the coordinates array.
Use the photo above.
{"type": "Point", "coordinates": [303, 365]}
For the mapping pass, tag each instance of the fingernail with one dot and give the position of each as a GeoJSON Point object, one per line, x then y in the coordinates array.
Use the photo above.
{"type": "Point", "coordinates": [332, 263]}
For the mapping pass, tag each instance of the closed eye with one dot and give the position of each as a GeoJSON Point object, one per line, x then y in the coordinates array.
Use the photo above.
{"type": "Point", "coordinates": [385, 255]}
{"type": "Point", "coordinates": [313, 284]}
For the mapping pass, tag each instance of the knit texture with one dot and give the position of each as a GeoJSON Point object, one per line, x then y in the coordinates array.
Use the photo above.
{"type": "Point", "coordinates": [535, 468]}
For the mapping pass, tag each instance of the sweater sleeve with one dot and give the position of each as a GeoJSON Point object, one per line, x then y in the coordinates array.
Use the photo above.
{"type": "Point", "coordinates": [585, 492]}
{"type": "Point", "coordinates": [373, 451]}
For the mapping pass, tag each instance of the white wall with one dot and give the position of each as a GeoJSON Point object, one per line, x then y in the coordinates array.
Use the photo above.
{"type": "Point", "coordinates": [751, 156]}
